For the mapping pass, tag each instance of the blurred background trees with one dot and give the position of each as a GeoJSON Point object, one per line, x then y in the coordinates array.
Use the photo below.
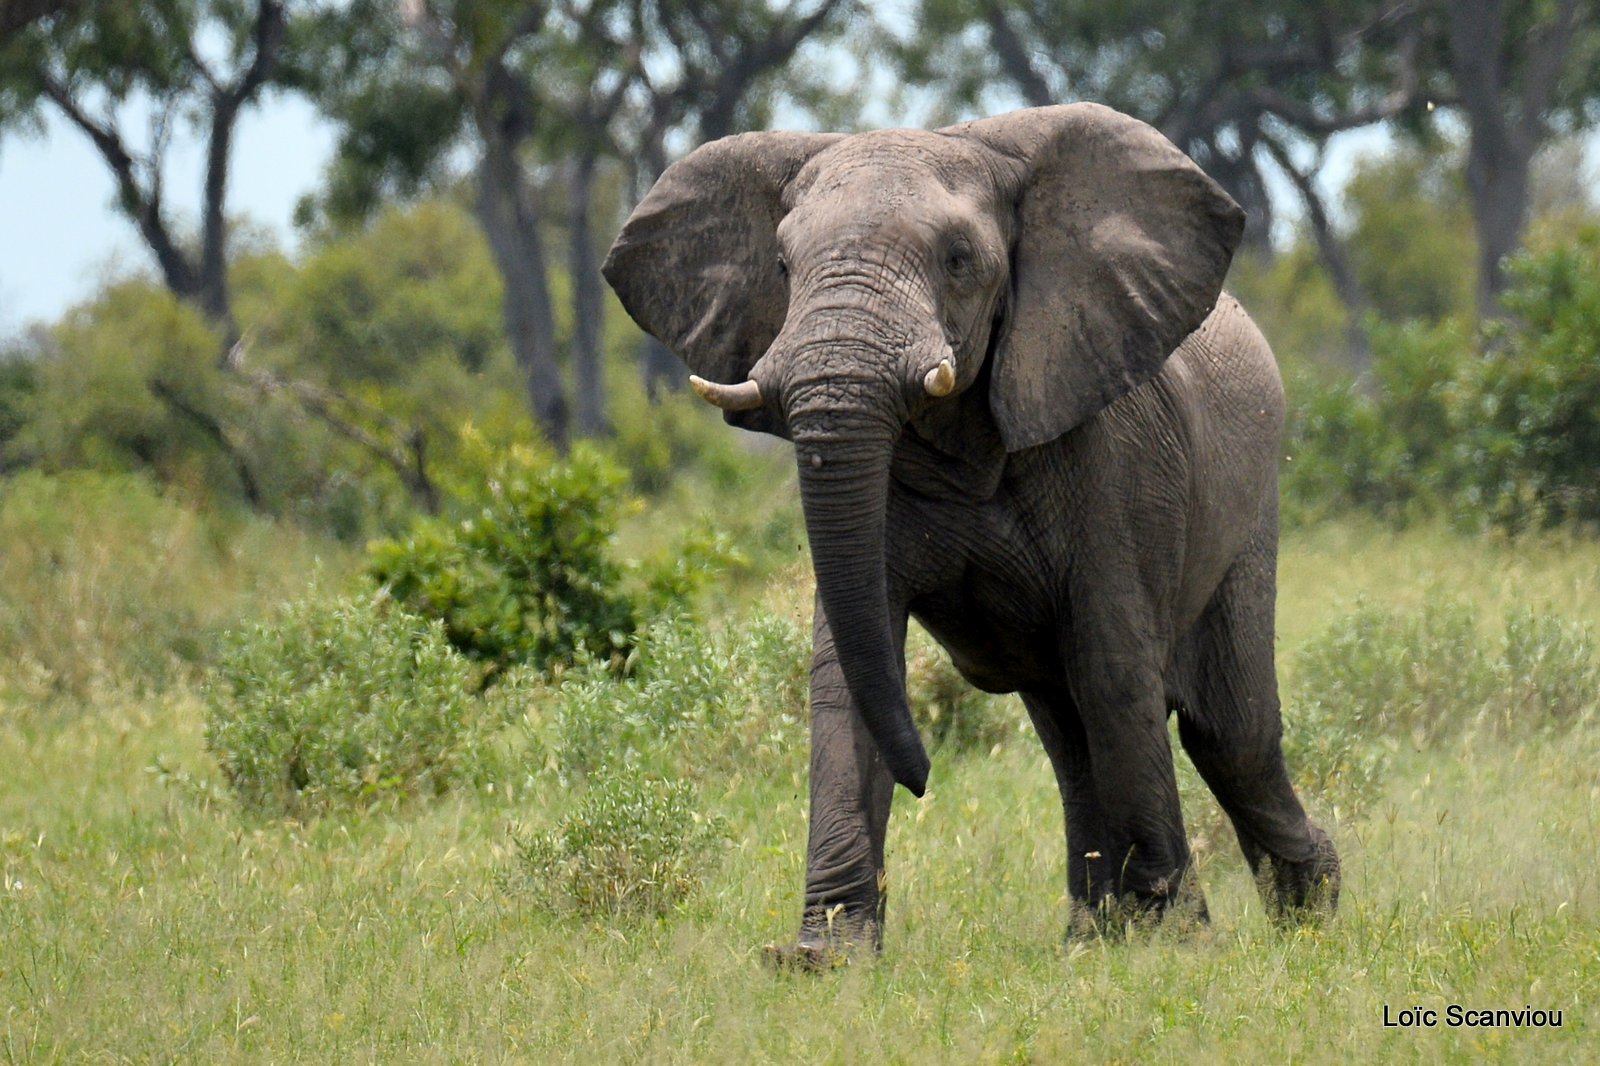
{"type": "Point", "coordinates": [1417, 290]}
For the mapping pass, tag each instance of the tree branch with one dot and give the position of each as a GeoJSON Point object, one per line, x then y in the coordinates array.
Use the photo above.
{"type": "Point", "coordinates": [1547, 53]}
{"type": "Point", "coordinates": [143, 207]}
{"type": "Point", "coordinates": [1014, 56]}
{"type": "Point", "coordinates": [406, 457]}
{"type": "Point", "coordinates": [1331, 249]}
{"type": "Point", "coordinates": [225, 108]}
{"type": "Point", "coordinates": [212, 427]}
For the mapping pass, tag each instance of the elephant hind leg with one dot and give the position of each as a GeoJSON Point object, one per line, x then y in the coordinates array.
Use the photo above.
{"type": "Point", "coordinates": [1232, 731]}
{"type": "Point", "coordinates": [1101, 899]}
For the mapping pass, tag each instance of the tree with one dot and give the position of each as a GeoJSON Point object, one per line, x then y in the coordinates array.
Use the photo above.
{"type": "Point", "coordinates": [1221, 80]}
{"type": "Point", "coordinates": [1522, 72]}
{"type": "Point", "coordinates": [547, 96]}
{"type": "Point", "coordinates": [523, 85]}
{"type": "Point", "coordinates": [15, 14]}
{"type": "Point", "coordinates": [104, 67]}
{"type": "Point", "coordinates": [108, 67]}
{"type": "Point", "coordinates": [1409, 234]}
{"type": "Point", "coordinates": [1236, 84]}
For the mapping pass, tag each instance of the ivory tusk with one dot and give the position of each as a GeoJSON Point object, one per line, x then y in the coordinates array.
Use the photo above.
{"type": "Point", "coordinates": [745, 396]}
{"type": "Point", "coordinates": [941, 379]}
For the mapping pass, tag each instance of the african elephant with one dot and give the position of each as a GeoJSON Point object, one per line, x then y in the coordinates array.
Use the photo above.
{"type": "Point", "coordinates": [1025, 414]}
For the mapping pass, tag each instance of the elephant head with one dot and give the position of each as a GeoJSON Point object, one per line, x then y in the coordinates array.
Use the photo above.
{"type": "Point", "coordinates": [835, 288]}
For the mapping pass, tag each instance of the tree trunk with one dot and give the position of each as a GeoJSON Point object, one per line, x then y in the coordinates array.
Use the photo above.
{"type": "Point", "coordinates": [1497, 181]}
{"type": "Point", "coordinates": [588, 304]}
{"type": "Point", "coordinates": [512, 227]}
{"type": "Point", "coordinates": [1507, 113]}
{"type": "Point", "coordinates": [1334, 258]}
{"type": "Point", "coordinates": [659, 368]}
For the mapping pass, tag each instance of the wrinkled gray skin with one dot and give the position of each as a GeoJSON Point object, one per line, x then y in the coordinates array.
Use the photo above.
{"type": "Point", "coordinates": [1088, 517]}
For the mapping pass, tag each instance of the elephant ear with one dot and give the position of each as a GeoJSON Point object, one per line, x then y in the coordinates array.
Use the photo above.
{"type": "Point", "coordinates": [696, 264]}
{"type": "Point", "coordinates": [1122, 243]}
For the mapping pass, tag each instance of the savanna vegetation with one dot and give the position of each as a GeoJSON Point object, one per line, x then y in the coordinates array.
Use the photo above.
{"type": "Point", "coordinates": [394, 666]}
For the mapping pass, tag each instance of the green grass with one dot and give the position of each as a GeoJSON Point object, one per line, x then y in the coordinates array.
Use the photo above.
{"type": "Point", "coordinates": [143, 918]}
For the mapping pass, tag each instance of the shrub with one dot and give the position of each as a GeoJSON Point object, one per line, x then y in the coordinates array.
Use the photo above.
{"type": "Point", "coordinates": [1333, 757]}
{"type": "Point", "coordinates": [633, 847]}
{"type": "Point", "coordinates": [528, 575]}
{"type": "Point", "coordinates": [1385, 449]}
{"type": "Point", "coordinates": [694, 701]}
{"type": "Point", "coordinates": [1378, 677]}
{"type": "Point", "coordinates": [106, 582]}
{"type": "Point", "coordinates": [1416, 674]}
{"type": "Point", "coordinates": [341, 701]}
{"type": "Point", "coordinates": [1505, 437]}
{"type": "Point", "coordinates": [1547, 672]}
{"type": "Point", "coordinates": [947, 709]}
{"type": "Point", "coordinates": [1530, 418]}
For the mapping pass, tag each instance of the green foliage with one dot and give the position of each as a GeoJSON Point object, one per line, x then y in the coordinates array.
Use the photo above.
{"type": "Point", "coordinates": [1380, 677]}
{"type": "Point", "coordinates": [341, 702]}
{"type": "Point", "coordinates": [19, 382]}
{"type": "Point", "coordinates": [528, 576]}
{"type": "Point", "coordinates": [1337, 454]}
{"type": "Point", "coordinates": [107, 583]}
{"type": "Point", "coordinates": [1411, 236]}
{"type": "Point", "coordinates": [695, 701]}
{"type": "Point", "coordinates": [1507, 439]}
{"type": "Point", "coordinates": [1530, 419]}
{"type": "Point", "coordinates": [1293, 301]}
{"type": "Point", "coordinates": [660, 441]}
{"type": "Point", "coordinates": [948, 711]}
{"type": "Point", "coordinates": [383, 302]}
{"type": "Point", "coordinates": [634, 847]}
{"type": "Point", "coordinates": [1383, 447]}
{"type": "Point", "coordinates": [1396, 674]}
{"type": "Point", "coordinates": [98, 401]}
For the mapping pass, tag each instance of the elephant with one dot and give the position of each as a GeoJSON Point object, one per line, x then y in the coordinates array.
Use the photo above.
{"type": "Point", "coordinates": [1025, 413]}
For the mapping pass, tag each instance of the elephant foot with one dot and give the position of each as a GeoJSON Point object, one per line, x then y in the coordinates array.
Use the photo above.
{"type": "Point", "coordinates": [1299, 893]}
{"type": "Point", "coordinates": [1113, 916]}
{"type": "Point", "coordinates": [830, 937]}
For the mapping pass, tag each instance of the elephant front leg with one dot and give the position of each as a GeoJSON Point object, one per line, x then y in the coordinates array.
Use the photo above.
{"type": "Point", "coordinates": [851, 791]}
{"type": "Point", "coordinates": [1133, 859]}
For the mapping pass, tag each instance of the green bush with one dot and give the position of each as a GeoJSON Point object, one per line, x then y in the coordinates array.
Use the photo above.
{"type": "Point", "coordinates": [694, 701]}
{"type": "Point", "coordinates": [1529, 425]}
{"type": "Point", "coordinates": [1385, 447]}
{"type": "Point", "coordinates": [342, 701]}
{"type": "Point", "coordinates": [528, 575]}
{"type": "Point", "coordinates": [953, 715]}
{"type": "Point", "coordinates": [1334, 758]}
{"type": "Point", "coordinates": [1502, 435]}
{"type": "Point", "coordinates": [1380, 677]}
{"type": "Point", "coordinates": [1547, 672]}
{"type": "Point", "coordinates": [634, 846]}
{"type": "Point", "coordinates": [19, 382]}
{"type": "Point", "coordinates": [106, 582]}
{"type": "Point", "coordinates": [1413, 674]}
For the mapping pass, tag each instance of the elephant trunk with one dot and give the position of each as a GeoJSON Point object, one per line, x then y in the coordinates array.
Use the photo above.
{"type": "Point", "coordinates": [844, 487]}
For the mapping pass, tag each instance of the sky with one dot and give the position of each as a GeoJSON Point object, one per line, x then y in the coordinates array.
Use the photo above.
{"type": "Point", "coordinates": [60, 236]}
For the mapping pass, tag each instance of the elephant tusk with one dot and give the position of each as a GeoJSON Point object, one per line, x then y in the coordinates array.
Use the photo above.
{"type": "Point", "coordinates": [745, 396]}
{"type": "Point", "coordinates": [941, 379]}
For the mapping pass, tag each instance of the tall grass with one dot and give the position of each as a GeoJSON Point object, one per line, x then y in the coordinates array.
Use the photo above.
{"type": "Point", "coordinates": [142, 917]}
{"type": "Point", "coordinates": [105, 583]}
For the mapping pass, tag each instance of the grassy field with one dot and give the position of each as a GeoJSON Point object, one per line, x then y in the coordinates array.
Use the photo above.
{"type": "Point", "coordinates": [143, 918]}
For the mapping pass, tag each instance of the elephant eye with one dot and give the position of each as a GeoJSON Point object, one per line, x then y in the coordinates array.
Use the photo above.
{"type": "Point", "coordinates": [958, 258]}
{"type": "Point", "coordinates": [783, 267]}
